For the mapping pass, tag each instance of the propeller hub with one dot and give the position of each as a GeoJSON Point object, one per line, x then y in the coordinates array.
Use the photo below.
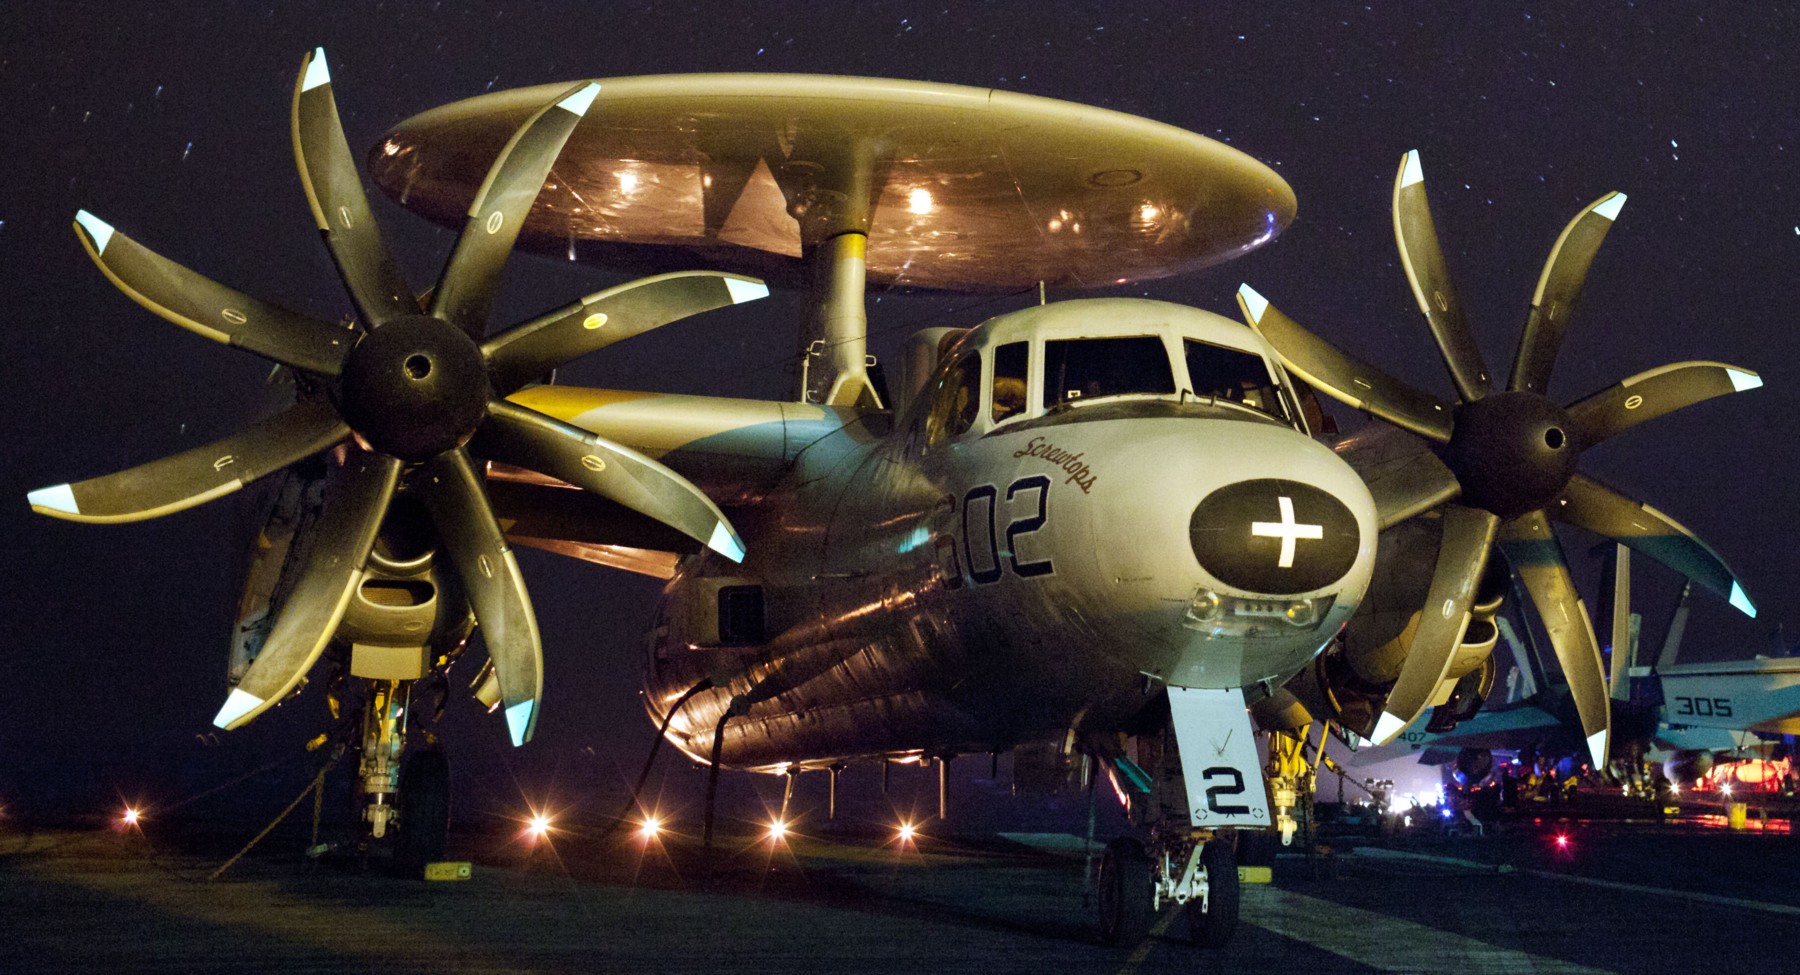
{"type": "Point", "coordinates": [414, 388]}
{"type": "Point", "coordinates": [1512, 452]}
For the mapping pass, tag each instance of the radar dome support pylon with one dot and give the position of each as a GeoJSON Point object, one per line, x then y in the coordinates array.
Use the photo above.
{"type": "Point", "coordinates": [832, 187]}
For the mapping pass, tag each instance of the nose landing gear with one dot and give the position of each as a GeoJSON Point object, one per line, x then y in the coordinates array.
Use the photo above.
{"type": "Point", "coordinates": [1207, 887]}
{"type": "Point", "coordinates": [1192, 869]}
{"type": "Point", "coordinates": [383, 739]}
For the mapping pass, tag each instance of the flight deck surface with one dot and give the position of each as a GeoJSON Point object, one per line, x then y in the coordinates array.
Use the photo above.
{"type": "Point", "coordinates": [1616, 899]}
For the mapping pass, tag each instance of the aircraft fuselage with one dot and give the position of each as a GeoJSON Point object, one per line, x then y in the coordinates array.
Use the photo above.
{"type": "Point", "coordinates": [1006, 566]}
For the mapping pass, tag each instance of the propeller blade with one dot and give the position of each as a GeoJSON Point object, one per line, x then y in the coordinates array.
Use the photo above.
{"type": "Point", "coordinates": [1651, 394]}
{"type": "Point", "coordinates": [527, 438]}
{"type": "Point", "coordinates": [1589, 504]}
{"type": "Point", "coordinates": [1558, 288]}
{"type": "Point", "coordinates": [527, 351]}
{"type": "Point", "coordinates": [1462, 557]}
{"type": "Point", "coordinates": [1423, 260]}
{"type": "Point", "coordinates": [465, 291]}
{"type": "Point", "coordinates": [1404, 475]}
{"type": "Point", "coordinates": [334, 191]}
{"type": "Point", "coordinates": [356, 498]}
{"type": "Point", "coordinates": [490, 575]}
{"type": "Point", "coordinates": [1532, 549]}
{"type": "Point", "coordinates": [1345, 379]}
{"type": "Point", "coordinates": [207, 308]}
{"type": "Point", "coordinates": [192, 477]}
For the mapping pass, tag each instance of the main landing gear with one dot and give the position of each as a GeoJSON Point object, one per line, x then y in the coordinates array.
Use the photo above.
{"type": "Point", "coordinates": [1193, 869]}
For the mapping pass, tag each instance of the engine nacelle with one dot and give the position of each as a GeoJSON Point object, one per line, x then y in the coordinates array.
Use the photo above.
{"type": "Point", "coordinates": [409, 606]}
{"type": "Point", "coordinates": [408, 611]}
{"type": "Point", "coordinates": [1350, 681]}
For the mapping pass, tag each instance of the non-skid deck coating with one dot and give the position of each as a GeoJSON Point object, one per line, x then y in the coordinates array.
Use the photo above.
{"type": "Point", "coordinates": [1622, 901]}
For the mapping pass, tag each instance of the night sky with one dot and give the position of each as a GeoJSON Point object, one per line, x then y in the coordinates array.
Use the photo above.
{"type": "Point", "coordinates": [172, 124]}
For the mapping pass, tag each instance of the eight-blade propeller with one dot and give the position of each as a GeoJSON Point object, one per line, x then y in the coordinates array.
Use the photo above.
{"type": "Point", "coordinates": [409, 391]}
{"type": "Point", "coordinates": [1510, 457]}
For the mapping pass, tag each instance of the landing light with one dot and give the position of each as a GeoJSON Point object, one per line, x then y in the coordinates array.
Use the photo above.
{"type": "Point", "coordinates": [905, 833]}
{"type": "Point", "coordinates": [651, 827]}
{"type": "Point", "coordinates": [129, 817]}
{"type": "Point", "coordinates": [777, 830]}
{"type": "Point", "coordinates": [537, 827]}
{"type": "Point", "coordinates": [1222, 615]}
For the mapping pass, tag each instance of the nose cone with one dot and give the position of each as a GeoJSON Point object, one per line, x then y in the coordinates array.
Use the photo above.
{"type": "Point", "coordinates": [1248, 544]}
{"type": "Point", "coordinates": [1275, 536]}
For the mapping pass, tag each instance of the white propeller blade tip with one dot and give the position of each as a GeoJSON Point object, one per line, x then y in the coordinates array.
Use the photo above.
{"type": "Point", "coordinates": [1741, 380]}
{"type": "Point", "coordinates": [1412, 172]}
{"type": "Point", "coordinates": [742, 290]}
{"type": "Point", "coordinates": [1610, 207]}
{"type": "Point", "coordinates": [1389, 726]}
{"type": "Point", "coordinates": [1597, 748]}
{"type": "Point", "coordinates": [239, 703]}
{"type": "Point", "coordinates": [54, 499]}
{"type": "Point", "coordinates": [316, 72]}
{"type": "Point", "coordinates": [577, 104]}
{"type": "Point", "coordinates": [518, 721]}
{"type": "Point", "coordinates": [1254, 304]}
{"type": "Point", "coordinates": [726, 543]}
{"type": "Point", "coordinates": [1741, 600]}
{"type": "Point", "coordinates": [96, 228]}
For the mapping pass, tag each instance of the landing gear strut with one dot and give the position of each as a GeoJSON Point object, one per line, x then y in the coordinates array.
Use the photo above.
{"type": "Point", "coordinates": [383, 740]}
{"type": "Point", "coordinates": [1197, 869]}
{"type": "Point", "coordinates": [1293, 777]}
{"type": "Point", "coordinates": [1193, 869]}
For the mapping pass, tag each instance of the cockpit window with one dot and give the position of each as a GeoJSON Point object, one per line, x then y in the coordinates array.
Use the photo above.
{"type": "Point", "coordinates": [1010, 364]}
{"type": "Point", "coordinates": [1085, 368]}
{"type": "Point", "coordinates": [1234, 376]}
{"type": "Point", "coordinates": [956, 401]}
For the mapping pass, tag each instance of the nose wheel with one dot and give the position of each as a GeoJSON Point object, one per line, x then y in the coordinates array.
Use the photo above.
{"type": "Point", "coordinates": [1211, 889]}
{"type": "Point", "coordinates": [424, 812]}
{"type": "Point", "coordinates": [1194, 870]}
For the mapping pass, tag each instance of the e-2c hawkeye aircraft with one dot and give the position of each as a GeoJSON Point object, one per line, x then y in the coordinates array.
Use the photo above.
{"type": "Point", "coordinates": [1110, 523]}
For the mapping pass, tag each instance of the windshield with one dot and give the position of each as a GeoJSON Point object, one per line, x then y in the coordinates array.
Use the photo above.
{"type": "Point", "coordinates": [957, 400]}
{"type": "Point", "coordinates": [1234, 376]}
{"type": "Point", "coordinates": [1080, 369]}
{"type": "Point", "coordinates": [1011, 369]}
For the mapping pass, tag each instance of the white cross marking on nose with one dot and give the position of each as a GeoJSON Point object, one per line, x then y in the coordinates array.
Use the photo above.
{"type": "Point", "coordinates": [1287, 530]}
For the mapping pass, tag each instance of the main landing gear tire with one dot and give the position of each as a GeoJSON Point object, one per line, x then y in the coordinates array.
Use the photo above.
{"type": "Point", "coordinates": [1213, 925]}
{"type": "Point", "coordinates": [1124, 892]}
{"type": "Point", "coordinates": [424, 813]}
